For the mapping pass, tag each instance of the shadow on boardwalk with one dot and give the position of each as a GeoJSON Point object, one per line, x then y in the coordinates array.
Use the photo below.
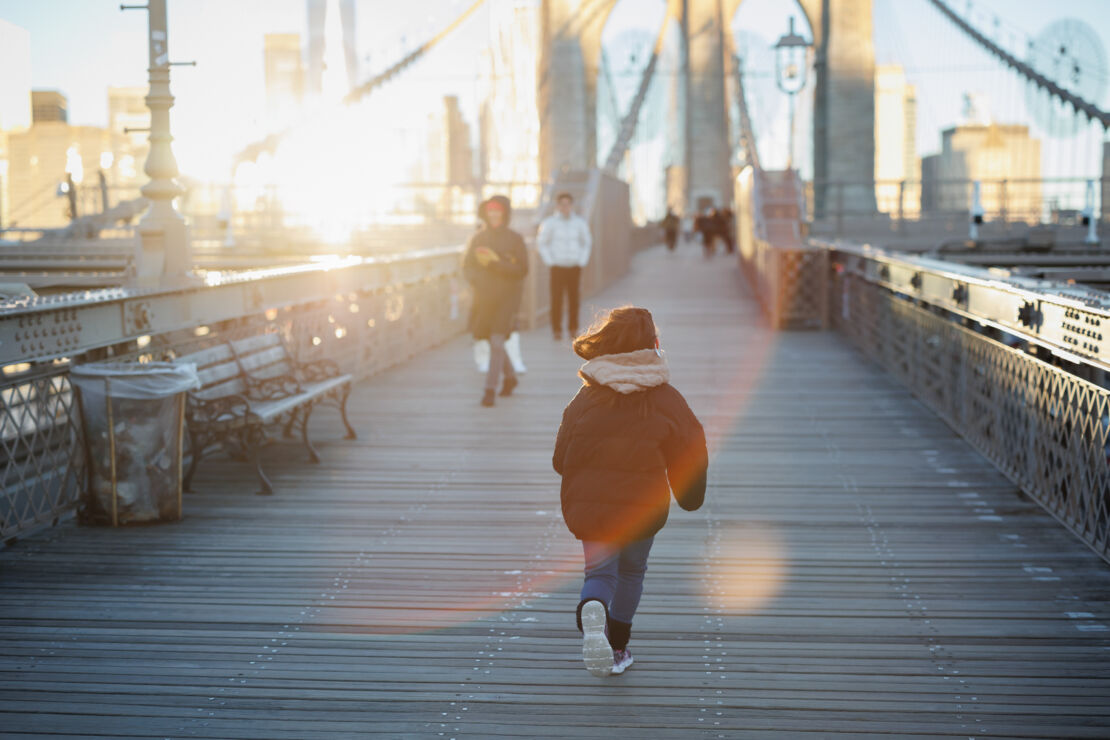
{"type": "Point", "coordinates": [857, 569]}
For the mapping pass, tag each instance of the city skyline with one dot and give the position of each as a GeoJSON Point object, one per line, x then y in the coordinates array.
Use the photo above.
{"type": "Point", "coordinates": [227, 40]}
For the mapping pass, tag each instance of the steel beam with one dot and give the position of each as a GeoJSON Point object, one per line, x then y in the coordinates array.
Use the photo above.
{"type": "Point", "coordinates": [1071, 321]}
{"type": "Point", "coordinates": [44, 328]}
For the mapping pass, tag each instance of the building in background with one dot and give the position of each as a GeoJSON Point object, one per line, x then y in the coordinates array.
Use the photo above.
{"type": "Point", "coordinates": [15, 99]}
{"type": "Point", "coordinates": [460, 154]}
{"type": "Point", "coordinates": [897, 167]}
{"type": "Point", "coordinates": [317, 41]}
{"type": "Point", "coordinates": [509, 125]}
{"type": "Point", "coordinates": [48, 106]}
{"type": "Point", "coordinates": [1004, 158]}
{"type": "Point", "coordinates": [284, 79]}
{"type": "Point", "coordinates": [446, 171]}
{"type": "Point", "coordinates": [43, 159]}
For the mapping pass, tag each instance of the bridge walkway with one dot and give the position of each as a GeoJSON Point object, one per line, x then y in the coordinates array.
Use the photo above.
{"type": "Point", "coordinates": [857, 569]}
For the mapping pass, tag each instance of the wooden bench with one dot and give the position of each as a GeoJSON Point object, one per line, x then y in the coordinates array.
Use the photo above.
{"type": "Point", "coordinates": [250, 385]}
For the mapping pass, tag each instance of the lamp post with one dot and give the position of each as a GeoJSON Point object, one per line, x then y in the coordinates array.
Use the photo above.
{"type": "Point", "coordinates": [165, 258]}
{"type": "Point", "coordinates": [791, 64]}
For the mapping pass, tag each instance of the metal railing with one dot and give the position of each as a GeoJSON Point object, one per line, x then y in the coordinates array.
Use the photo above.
{"type": "Point", "coordinates": [366, 319]}
{"type": "Point", "coordinates": [787, 274]}
{"type": "Point", "coordinates": [291, 217]}
{"type": "Point", "coordinates": [1041, 425]}
{"type": "Point", "coordinates": [41, 467]}
{"type": "Point", "coordinates": [1060, 201]}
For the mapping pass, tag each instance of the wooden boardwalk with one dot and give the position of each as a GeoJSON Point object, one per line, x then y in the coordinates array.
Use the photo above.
{"type": "Point", "coordinates": [857, 570]}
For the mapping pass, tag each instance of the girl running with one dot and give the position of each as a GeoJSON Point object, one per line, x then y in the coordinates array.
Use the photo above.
{"type": "Point", "coordinates": [627, 440]}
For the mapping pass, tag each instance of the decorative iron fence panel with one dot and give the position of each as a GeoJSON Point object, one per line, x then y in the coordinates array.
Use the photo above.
{"type": "Point", "coordinates": [42, 468]}
{"type": "Point", "coordinates": [1044, 428]}
{"type": "Point", "coordinates": [364, 331]}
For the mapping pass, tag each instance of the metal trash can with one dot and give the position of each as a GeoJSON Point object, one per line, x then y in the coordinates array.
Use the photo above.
{"type": "Point", "coordinates": [133, 417]}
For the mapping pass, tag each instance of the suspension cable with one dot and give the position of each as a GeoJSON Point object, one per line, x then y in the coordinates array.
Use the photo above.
{"type": "Point", "coordinates": [632, 118]}
{"type": "Point", "coordinates": [747, 133]}
{"type": "Point", "coordinates": [270, 143]}
{"type": "Point", "coordinates": [1079, 104]}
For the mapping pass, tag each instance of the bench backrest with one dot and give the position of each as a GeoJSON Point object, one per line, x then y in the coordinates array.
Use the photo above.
{"type": "Point", "coordinates": [219, 372]}
{"type": "Point", "coordinates": [263, 356]}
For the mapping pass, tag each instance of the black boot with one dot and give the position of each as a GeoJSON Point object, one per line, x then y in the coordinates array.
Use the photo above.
{"type": "Point", "coordinates": [578, 612]}
{"type": "Point", "coordinates": [619, 632]}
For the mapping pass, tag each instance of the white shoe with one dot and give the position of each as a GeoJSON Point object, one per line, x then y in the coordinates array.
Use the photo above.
{"type": "Point", "coordinates": [512, 349]}
{"type": "Point", "coordinates": [596, 652]}
{"type": "Point", "coordinates": [622, 659]}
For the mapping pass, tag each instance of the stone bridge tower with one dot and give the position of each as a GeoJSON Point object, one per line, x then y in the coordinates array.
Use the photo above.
{"type": "Point", "coordinates": [844, 110]}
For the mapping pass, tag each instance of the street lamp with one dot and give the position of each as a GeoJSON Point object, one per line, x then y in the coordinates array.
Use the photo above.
{"type": "Point", "coordinates": [791, 63]}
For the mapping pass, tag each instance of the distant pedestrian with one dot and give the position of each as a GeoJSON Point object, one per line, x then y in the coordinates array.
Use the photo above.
{"type": "Point", "coordinates": [495, 263]}
{"type": "Point", "coordinates": [726, 227]}
{"type": "Point", "coordinates": [670, 224]}
{"type": "Point", "coordinates": [706, 225]}
{"type": "Point", "coordinates": [564, 246]}
{"type": "Point", "coordinates": [626, 441]}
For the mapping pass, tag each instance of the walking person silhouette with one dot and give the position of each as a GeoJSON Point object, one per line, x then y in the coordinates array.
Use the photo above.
{"type": "Point", "coordinates": [626, 441]}
{"type": "Point", "coordinates": [564, 246]}
{"type": "Point", "coordinates": [495, 263]}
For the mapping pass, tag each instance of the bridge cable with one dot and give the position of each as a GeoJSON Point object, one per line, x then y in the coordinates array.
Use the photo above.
{"type": "Point", "coordinates": [1079, 104]}
{"type": "Point", "coordinates": [632, 118]}
{"type": "Point", "coordinates": [747, 132]}
{"type": "Point", "coordinates": [270, 143]}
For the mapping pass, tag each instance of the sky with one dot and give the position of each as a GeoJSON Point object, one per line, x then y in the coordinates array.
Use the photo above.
{"type": "Point", "coordinates": [80, 47]}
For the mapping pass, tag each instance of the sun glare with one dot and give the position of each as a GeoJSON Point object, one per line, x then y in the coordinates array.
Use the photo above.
{"type": "Point", "coordinates": [749, 571]}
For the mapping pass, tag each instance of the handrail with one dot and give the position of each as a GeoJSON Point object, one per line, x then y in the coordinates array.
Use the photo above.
{"type": "Point", "coordinates": [1071, 321]}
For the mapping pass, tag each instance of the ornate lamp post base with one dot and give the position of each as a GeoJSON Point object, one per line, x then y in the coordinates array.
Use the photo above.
{"type": "Point", "coordinates": [165, 258]}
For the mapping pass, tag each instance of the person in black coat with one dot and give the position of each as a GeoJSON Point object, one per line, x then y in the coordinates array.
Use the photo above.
{"type": "Point", "coordinates": [670, 224]}
{"type": "Point", "coordinates": [495, 263]}
{"type": "Point", "coordinates": [726, 226]}
{"type": "Point", "coordinates": [706, 224]}
{"type": "Point", "coordinates": [627, 440]}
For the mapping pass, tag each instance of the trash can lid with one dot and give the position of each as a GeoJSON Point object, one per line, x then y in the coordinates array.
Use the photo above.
{"type": "Point", "coordinates": [140, 380]}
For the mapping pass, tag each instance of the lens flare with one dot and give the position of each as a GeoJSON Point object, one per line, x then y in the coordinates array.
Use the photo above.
{"type": "Point", "coordinates": [748, 571]}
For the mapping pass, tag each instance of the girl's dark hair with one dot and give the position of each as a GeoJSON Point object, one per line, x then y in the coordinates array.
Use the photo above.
{"type": "Point", "coordinates": [624, 329]}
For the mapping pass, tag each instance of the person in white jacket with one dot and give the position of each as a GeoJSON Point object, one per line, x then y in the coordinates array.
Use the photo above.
{"type": "Point", "coordinates": [564, 246]}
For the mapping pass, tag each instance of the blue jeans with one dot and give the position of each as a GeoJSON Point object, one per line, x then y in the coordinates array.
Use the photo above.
{"type": "Point", "coordinates": [616, 577]}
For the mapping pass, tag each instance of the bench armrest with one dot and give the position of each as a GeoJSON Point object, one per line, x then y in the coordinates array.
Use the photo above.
{"type": "Point", "coordinates": [208, 411]}
{"type": "Point", "coordinates": [316, 370]}
{"type": "Point", "coordinates": [269, 389]}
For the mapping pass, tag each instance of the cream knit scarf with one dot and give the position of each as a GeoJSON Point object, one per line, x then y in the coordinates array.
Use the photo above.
{"type": "Point", "coordinates": [628, 372]}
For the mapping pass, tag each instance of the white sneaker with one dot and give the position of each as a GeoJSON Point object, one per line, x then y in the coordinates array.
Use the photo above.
{"type": "Point", "coordinates": [596, 652]}
{"type": "Point", "coordinates": [622, 659]}
{"type": "Point", "coordinates": [512, 349]}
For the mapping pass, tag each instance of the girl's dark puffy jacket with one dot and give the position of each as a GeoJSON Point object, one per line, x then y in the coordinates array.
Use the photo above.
{"type": "Point", "coordinates": [621, 454]}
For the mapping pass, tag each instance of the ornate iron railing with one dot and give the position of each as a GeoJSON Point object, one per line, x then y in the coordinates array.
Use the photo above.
{"type": "Point", "coordinates": [364, 324]}
{"type": "Point", "coordinates": [1042, 426]}
{"type": "Point", "coordinates": [41, 469]}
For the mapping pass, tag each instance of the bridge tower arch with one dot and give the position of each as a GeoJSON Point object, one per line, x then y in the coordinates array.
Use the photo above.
{"type": "Point", "coordinates": [844, 109]}
{"type": "Point", "coordinates": [569, 60]}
